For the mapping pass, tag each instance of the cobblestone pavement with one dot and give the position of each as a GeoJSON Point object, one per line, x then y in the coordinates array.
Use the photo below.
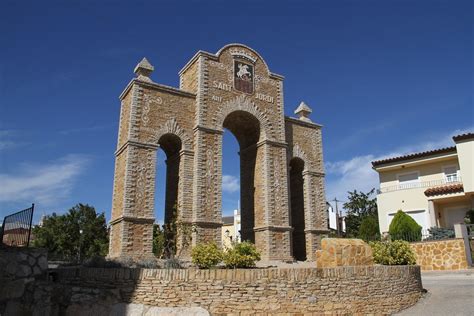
{"type": "Point", "coordinates": [449, 293]}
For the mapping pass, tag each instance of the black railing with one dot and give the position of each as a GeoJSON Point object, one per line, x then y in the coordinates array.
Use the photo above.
{"type": "Point", "coordinates": [433, 233]}
{"type": "Point", "coordinates": [16, 229]}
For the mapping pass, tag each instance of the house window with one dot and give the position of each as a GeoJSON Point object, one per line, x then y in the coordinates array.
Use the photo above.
{"type": "Point", "coordinates": [451, 174]}
{"type": "Point", "coordinates": [408, 180]}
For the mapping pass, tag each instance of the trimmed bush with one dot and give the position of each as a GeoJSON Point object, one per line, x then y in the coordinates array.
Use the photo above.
{"type": "Point", "coordinates": [369, 228]}
{"type": "Point", "coordinates": [241, 255]}
{"type": "Point", "coordinates": [404, 227]}
{"type": "Point", "coordinates": [206, 255]}
{"type": "Point", "coordinates": [397, 252]}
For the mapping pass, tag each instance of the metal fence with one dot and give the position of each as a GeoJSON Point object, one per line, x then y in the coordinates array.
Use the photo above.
{"type": "Point", "coordinates": [433, 233]}
{"type": "Point", "coordinates": [470, 230]}
{"type": "Point", "coordinates": [16, 229]}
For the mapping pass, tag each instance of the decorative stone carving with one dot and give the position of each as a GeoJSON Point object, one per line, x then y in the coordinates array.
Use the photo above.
{"type": "Point", "coordinates": [299, 153]}
{"type": "Point", "coordinates": [172, 127]}
{"type": "Point", "coordinates": [303, 111]}
{"type": "Point", "coordinates": [243, 103]}
{"type": "Point", "coordinates": [143, 70]}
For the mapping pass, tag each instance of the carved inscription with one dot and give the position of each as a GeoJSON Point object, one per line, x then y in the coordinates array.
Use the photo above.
{"type": "Point", "coordinates": [216, 98]}
{"type": "Point", "coordinates": [264, 97]}
{"type": "Point", "coordinates": [221, 86]}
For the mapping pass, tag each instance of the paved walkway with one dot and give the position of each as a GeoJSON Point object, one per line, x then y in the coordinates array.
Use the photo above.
{"type": "Point", "coordinates": [449, 293]}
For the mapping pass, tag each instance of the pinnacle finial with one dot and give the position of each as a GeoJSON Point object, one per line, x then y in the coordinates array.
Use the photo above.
{"type": "Point", "coordinates": [303, 111]}
{"type": "Point", "coordinates": [144, 69]}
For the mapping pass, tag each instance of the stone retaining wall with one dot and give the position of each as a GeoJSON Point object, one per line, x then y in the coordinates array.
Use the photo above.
{"type": "Point", "coordinates": [341, 290]}
{"type": "Point", "coordinates": [441, 254]}
{"type": "Point", "coordinates": [20, 270]}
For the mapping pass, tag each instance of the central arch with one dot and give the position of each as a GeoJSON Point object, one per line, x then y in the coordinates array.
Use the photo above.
{"type": "Point", "coordinates": [243, 103]}
{"type": "Point", "coordinates": [246, 129]}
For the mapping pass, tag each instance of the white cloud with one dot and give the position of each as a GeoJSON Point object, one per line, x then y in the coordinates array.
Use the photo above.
{"type": "Point", "coordinates": [7, 140]}
{"type": "Point", "coordinates": [347, 175]}
{"type": "Point", "coordinates": [44, 184]}
{"type": "Point", "coordinates": [230, 183]}
{"type": "Point", "coordinates": [357, 173]}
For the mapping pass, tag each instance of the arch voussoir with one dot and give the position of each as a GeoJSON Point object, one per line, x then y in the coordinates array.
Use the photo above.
{"type": "Point", "coordinates": [172, 127]}
{"type": "Point", "coordinates": [243, 103]}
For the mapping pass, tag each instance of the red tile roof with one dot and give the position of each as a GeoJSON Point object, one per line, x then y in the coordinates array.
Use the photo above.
{"type": "Point", "coordinates": [414, 156]}
{"type": "Point", "coordinates": [463, 136]}
{"type": "Point", "coordinates": [446, 189]}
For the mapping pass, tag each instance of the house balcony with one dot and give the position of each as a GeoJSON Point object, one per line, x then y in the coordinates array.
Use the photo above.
{"type": "Point", "coordinates": [449, 179]}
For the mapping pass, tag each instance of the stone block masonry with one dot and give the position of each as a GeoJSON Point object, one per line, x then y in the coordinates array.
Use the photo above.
{"type": "Point", "coordinates": [290, 291]}
{"type": "Point", "coordinates": [20, 269]}
{"type": "Point", "coordinates": [337, 252]}
{"type": "Point", "coordinates": [233, 89]}
{"type": "Point", "coordinates": [440, 254]}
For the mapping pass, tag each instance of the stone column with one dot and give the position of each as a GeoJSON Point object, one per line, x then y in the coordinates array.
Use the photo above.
{"type": "Point", "coordinates": [315, 212]}
{"type": "Point", "coordinates": [133, 202]}
{"type": "Point", "coordinates": [185, 203]}
{"type": "Point", "coordinates": [432, 212]}
{"type": "Point", "coordinates": [272, 216]}
{"type": "Point", "coordinates": [207, 180]}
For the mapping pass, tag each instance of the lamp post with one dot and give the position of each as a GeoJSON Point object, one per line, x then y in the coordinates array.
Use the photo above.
{"type": "Point", "coordinates": [80, 243]}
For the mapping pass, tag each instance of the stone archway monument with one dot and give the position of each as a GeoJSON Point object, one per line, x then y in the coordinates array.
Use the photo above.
{"type": "Point", "coordinates": [233, 89]}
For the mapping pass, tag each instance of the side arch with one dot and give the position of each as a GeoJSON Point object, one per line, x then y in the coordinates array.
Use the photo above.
{"type": "Point", "coordinates": [243, 103]}
{"type": "Point", "coordinates": [298, 152]}
{"type": "Point", "coordinates": [298, 207]}
{"type": "Point", "coordinates": [172, 127]}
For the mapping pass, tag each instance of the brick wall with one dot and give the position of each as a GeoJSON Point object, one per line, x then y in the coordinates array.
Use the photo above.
{"type": "Point", "coordinates": [441, 254]}
{"type": "Point", "coordinates": [360, 290]}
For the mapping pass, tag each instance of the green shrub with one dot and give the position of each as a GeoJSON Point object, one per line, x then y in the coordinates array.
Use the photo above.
{"type": "Point", "coordinates": [173, 263]}
{"type": "Point", "coordinates": [159, 240]}
{"type": "Point", "coordinates": [206, 255]}
{"type": "Point", "coordinates": [101, 262]}
{"type": "Point", "coordinates": [241, 255]}
{"type": "Point", "coordinates": [440, 233]}
{"type": "Point", "coordinates": [469, 219]}
{"type": "Point", "coordinates": [369, 228]}
{"type": "Point", "coordinates": [404, 227]}
{"type": "Point", "coordinates": [397, 252]}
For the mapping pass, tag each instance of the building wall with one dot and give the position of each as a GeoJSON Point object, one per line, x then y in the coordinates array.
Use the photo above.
{"type": "Point", "coordinates": [465, 149]}
{"type": "Point", "coordinates": [231, 232]}
{"type": "Point", "coordinates": [227, 232]}
{"type": "Point", "coordinates": [405, 200]}
{"type": "Point", "coordinates": [428, 171]}
{"type": "Point", "coordinates": [456, 209]}
{"type": "Point", "coordinates": [360, 290]}
{"type": "Point", "coordinates": [412, 199]}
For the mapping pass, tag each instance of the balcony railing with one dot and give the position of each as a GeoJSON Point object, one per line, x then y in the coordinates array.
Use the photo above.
{"type": "Point", "coordinates": [449, 179]}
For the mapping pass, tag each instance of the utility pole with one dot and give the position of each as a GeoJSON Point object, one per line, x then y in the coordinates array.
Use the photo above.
{"type": "Point", "coordinates": [337, 218]}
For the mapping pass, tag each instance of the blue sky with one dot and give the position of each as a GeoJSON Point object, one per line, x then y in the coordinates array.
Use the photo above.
{"type": "Point", "coordinates": [383, 77]}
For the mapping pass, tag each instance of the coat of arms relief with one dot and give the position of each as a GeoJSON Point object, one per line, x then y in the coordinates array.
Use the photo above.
{"type": "Point", "coordinates": [243, 76]}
